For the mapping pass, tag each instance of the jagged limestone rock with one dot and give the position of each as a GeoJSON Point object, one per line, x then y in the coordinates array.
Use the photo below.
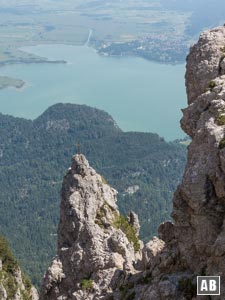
{"type": "Point", "coordinates": [94, 251]}
{"type": "Point", "coordinates": [205, 62]}
{"type": "Point", "coordinates": [195, 242]}
{"type": "Point", "coordinates": [12, 287]}
{"type": "Point", "coordinates": [134, 221]}
{"type": "Point", "coordinates": [199, 203]}
{"type": "Point", "coordinates": [95, 258]}
{"type": "Point", "coordinates": [13, 284]}
{"type": "Point", "coordinates": [197, 235]}
{"type": "Point", "coordinates": [3, 293]}
{"type": "Point", "coordinates": [34, 293]}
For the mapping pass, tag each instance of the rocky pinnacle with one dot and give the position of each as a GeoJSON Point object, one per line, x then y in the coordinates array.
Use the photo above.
{"type": "Point", "coordinates": [95, 246]}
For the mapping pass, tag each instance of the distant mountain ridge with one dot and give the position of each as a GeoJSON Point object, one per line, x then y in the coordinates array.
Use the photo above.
{"type": "Point", "coordinates": [35, 154]}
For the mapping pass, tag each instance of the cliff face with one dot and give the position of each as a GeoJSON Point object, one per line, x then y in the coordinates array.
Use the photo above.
{"type": "Point", "coordinates": [198, 232]}
{"type": "Point", "coordinates": [197, 235]}
{"type": "Point", "coordinates": [13, 284]}
{"type": "Point", "coordinates": [98, 260]}
{"type": "Point", "coordinates": [199, 203]}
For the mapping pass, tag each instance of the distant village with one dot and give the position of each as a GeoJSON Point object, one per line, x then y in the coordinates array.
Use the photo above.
{"type": "Point", "coordinates": [156, 48]}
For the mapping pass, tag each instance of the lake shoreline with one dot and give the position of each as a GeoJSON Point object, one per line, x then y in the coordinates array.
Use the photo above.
{"type": "Point", "coordinates": [42, 60]}
{"type": "Point", "coordinates": [128, 88]}
{"type": "Point", "coordinates": [9, 82]}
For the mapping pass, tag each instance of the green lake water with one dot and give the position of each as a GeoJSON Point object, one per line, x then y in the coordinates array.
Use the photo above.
{"type": "Point", "coordinates": [140, 95]}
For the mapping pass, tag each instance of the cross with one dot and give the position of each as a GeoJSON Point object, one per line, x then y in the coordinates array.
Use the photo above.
{"type": "Point", "coordinates": [78, 147]}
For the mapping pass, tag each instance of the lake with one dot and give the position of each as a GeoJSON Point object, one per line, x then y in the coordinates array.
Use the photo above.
{"type": "Point", "coordinates": [139, 94]}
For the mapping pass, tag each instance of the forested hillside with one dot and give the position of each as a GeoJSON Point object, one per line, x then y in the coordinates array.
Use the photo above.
{"type": "Point", "coordinates": [34, 156]}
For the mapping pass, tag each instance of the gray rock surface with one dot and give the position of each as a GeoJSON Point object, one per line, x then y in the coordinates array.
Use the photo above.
{"type": "Point", "coordinates": [94, 253]}
{"type": "Point", "coordinates": [205, 62]}
{"type": "Point", "coordinates": [194, 243]}
{"type": "Point", "coordinates": [199, 203]}
{"type": "Point", "coordinates": [3, 293]}
{"type": "Point", "coordinates": [92, 247]}
{"type": "Point", "coordinates": [12, 287]}
{"type": "Point", "coordinates": [197, 234]}
{"type": "Point", "coordinates": [134, 221]}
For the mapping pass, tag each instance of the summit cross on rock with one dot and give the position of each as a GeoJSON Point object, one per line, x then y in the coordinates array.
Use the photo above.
{"type": "Point", "coordinates": [78, 148]}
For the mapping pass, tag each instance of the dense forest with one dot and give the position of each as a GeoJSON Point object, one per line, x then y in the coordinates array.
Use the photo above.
{"type": "Point", "coordinates": [34, 156]}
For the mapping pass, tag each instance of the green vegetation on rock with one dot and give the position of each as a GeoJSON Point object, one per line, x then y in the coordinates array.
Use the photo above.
{"type": "Point", "coordinates": [211, 84]}
{"type": "Point", "coordinates": [99, 216]}
{"type": "Point", "coordinates": [122, 223]}
{"type": "Point", "coordinates": [104, 180]}
{"type": "Point", "coordinates": [9, 263]}
{"type": "Point", "coordinates": [221, 120]}
{"type": "Point", "coordinates": [87, 284]}
{"type": "Point", "coordinates": [222, 143]}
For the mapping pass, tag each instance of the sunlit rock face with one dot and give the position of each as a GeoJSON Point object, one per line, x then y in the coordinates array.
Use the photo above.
{"type": "Point", "coordinates": [93, 250]}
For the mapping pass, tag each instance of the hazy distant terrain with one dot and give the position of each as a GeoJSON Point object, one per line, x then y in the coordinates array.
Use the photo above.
{"type": "Point", "coordinates": [157, 30]}
{"type": "Point", "coordinates": [205, 13]}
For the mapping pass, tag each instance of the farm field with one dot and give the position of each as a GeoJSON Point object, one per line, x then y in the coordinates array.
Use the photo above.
{"type": "Point", "coordinates": [111, 22]}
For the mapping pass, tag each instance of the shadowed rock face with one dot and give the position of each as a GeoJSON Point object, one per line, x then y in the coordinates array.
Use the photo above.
{"type": "Point", "coordinates": [91, 246]}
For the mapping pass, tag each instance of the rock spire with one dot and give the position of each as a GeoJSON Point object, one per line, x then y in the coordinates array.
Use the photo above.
{"type": "Point", "coordinates": [96, 246]}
